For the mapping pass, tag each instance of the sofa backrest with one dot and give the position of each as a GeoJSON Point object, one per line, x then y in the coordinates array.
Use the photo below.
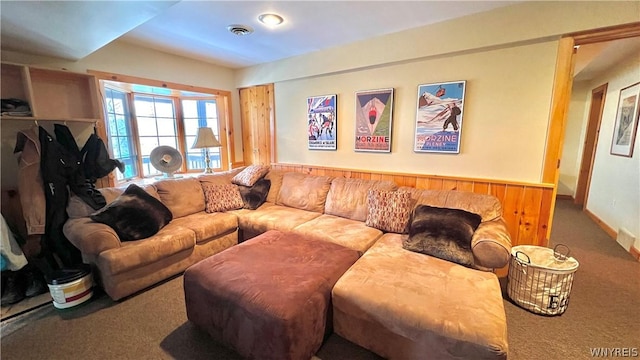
{"type": "Point", "coordinates": [347, 198]}
{"type": "Point", "coordinates": [305, 192]}
{"type": "Point", "coordinates": [275, 176]}
{"type": "Point", "coordinates": [487, 206]}
{"type": "Point", "coordinates": [182, 196]}
{"type": "Point", "coordinates": [219, 178]}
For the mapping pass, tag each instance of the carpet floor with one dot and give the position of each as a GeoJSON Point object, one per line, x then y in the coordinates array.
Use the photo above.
{"type": "Point", "coordinates": [604, 311]}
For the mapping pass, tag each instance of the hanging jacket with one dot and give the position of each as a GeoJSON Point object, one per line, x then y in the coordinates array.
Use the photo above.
{"type": "Point", "coordinates": [78, 183]}
{"type": "Point", "coordinates": [95, 159]}
{"type": "Point", "coordinates": [30, 185]}
{"type": "Point", "coordinates": [58, 165]}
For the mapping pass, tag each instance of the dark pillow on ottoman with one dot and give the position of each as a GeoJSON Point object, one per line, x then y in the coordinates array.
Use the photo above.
{"type": "Point", "coordinates": [443, 233]}
{"type": "Point", "coordinates": [134, 215]}
{"type": "Point", "coordinates": [256, 195]}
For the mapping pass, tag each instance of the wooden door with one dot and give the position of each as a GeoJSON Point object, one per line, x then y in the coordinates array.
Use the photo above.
{"type": "Point", "coordinates": [590, 143]}
{"type": "Point", "coordinates": [258, 124]}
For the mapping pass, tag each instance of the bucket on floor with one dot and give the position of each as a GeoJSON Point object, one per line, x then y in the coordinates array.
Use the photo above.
{"type": "Point", "coordinates": [70, 287]}
{"type": "Point", "coordinates": [540, 278]}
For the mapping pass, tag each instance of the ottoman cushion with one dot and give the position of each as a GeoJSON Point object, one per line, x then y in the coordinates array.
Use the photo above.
{"type": "Point", "coordinates": [268, 297]}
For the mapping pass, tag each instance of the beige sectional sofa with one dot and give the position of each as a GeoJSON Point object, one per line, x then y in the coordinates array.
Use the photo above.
{"type": "Point", "coordinates": [395, 302]}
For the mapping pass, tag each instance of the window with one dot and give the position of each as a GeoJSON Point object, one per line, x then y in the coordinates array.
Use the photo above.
{"type": "Point", "coordinates": [156, 122]}
{"type": "Point", "coordinates": [200, 113]}
{"type": "Point", "coordinates": [120, 138]}
{"type": "Point", "coordinates": [140, 118]}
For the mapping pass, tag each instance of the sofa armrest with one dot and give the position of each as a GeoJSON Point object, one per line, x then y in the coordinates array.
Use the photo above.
{"type": "Point", "coordinates": [491, 244]}
{"type": "Point", "coordinates": [90, 237]}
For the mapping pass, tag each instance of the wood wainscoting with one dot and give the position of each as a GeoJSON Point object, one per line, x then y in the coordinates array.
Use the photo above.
{"type": "Point", "coordinates": [527, 207]}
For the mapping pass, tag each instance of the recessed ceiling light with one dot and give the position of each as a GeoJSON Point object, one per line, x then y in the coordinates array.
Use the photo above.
{"type": "Point", "coordinates": [270, 19]}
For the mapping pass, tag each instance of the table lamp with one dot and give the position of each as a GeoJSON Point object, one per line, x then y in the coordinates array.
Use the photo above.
{"type": "Point", "coordinates": [205, 140]}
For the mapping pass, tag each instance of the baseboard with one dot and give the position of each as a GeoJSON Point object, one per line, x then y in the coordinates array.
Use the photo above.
{"type": "Point", "coordinates": [564, 197]}
{"type": "Point", "coordinates": [612, 233]}
{"type": "Point", "coordinates": [609, 230]}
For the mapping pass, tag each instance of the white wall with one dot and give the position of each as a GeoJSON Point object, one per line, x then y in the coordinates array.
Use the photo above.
{"type": "Point", "coordinates": [506, 55]}
{"type": "Point", "coordinates": [126, 59]}
{"type": "Point", "coordinates": [575, 132]}
{"type": "Point", "coordinates": [505, 114]}
{"type": "Point", "coordinates": [614, 194]}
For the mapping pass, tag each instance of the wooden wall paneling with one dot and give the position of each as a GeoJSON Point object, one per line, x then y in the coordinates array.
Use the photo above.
{"type": "Point", "coordinates": [526, 206]}
{"type": "Point", "coordinates": [481, 188]}
{"type": "Point", "coordinates": [511, 210]}
{"type": "Point", "coordinates": [529, 217]}
{"type": "Point", "coordinates": [547, 204]}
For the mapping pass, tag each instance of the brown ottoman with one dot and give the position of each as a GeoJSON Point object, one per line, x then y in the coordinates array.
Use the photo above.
{"type": "Point", "coordinates": [268, 297]}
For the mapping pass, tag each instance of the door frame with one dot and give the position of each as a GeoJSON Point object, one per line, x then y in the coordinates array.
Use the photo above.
{"type": "Point", "coordinates": [598, 98]}
{"type": "Point", "coordinates": [561, 96]}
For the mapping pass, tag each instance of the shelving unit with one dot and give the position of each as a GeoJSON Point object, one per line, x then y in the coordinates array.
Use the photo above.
{"type": "Point", "coordinates": [53, 95]}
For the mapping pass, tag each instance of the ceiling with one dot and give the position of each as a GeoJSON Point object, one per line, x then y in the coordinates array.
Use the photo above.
{"type": "Point", "coordinates": [198, 29]}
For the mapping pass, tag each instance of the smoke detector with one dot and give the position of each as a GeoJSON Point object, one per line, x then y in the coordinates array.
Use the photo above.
{"type": "Point", "coordinates": [240, 30]}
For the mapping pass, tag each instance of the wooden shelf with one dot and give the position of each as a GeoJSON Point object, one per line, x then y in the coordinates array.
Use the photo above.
{"type": "Point", "coordinates": [53, 95]}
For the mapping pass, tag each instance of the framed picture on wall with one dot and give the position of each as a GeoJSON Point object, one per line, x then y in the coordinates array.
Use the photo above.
{"type": "Point", "coordinates": [374, 111]}
{"type": "Point", "coordinates": [626, 125]}
{"type": "Point", "coordinates": [439, 115]}
{"type": "Point", "coordinates": [322, 122]}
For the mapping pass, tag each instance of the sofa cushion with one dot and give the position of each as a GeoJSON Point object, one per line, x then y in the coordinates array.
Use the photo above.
{"type": "Point", "coordinates": [256, 195]}
{"type": "Point", "coordinates": [221, 198]}
{"type": "Point", "coordinates": [443, 233]}
{"type": "Point", "coordinates": [346, 232]}
{"type": "Point", "coordinates": [182, 196]}
{"type": "Point", "coordinates": [170, 240]}
{"type": "Point", "coordinates": [207, 226]}
{"type": "Point", "coordinates": [134, 215]}
{"type": "Point", "coordinates": [250, 175]}
{"type": "Point", "coordinates": [487, 206]}
{"type": "Point", "coordinates": [491, 244]}
{"type": "Point", "coordinates": [388, 210]}
{"type": "Point", "coordinates": [275, 176]}
{"type": "Point", "coordinates": [348, 197]}
{"type": "Point", "coordinates": [272, 217]}
{"type": "Point", "coordinates": [304, 192]}
{"type": "Point", "coordinates": [401, 304]}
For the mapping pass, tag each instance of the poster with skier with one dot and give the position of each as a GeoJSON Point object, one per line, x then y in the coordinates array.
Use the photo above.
{"type": "Point", "coordinates": [374, 111]}
{"type": "Point", "coordinates": [439, 117]}
{"type": "Point", "coordinates": [321, 122]}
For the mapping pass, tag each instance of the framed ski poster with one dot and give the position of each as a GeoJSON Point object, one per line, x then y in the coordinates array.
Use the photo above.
{"type": "Point", "coordinates": [374, 111]}
{"type": "Point", "coordinates": [439, 117]}
{"type": "Point", "coordinates": [322, 122]}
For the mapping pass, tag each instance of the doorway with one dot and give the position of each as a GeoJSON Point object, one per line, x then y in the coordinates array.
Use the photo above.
{"type": "Point", "coordinates": [598, 96]}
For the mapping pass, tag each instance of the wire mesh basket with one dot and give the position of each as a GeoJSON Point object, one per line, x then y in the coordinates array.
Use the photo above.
{"type": "Point", "coordinates": [540, 278]}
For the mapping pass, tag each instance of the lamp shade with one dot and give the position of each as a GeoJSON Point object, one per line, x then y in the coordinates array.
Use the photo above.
{"type": "Point", "coordinates": [205, 139]}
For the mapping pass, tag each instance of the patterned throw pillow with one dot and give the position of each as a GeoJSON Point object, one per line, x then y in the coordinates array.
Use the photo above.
{"type": "Point", "coordinates": [250, 175]}
{"type": "Point", "coordinates": [222, 198]}
{"type": "Point", "coordinates": [388, 210]}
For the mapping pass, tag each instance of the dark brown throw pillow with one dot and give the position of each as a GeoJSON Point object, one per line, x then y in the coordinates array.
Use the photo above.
{"type": "Point", "coordinates": [442, 232]}
{"type": "Point", "coordinates": [256, 195]}
{"type": "Point", "coordinates": [134, 215]}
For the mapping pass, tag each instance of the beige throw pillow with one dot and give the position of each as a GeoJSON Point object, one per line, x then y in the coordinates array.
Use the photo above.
{"type": "Point", "coordinates": [250, 175]}
{"type": "Point", "coordinates": [219, 198]}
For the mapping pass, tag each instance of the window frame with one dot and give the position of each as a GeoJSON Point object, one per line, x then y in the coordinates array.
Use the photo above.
{"type": "Point", "coordinates": [178, 92]}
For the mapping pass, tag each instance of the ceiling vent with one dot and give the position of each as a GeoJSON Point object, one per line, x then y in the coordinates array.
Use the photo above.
{"type": "Point", "coordinates": [240, 30]}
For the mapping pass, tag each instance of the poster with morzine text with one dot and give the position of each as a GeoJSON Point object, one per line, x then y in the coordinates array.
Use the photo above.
{"type": "Point", "coordinates": [322, 122]}
{"type": "Point", "coordinates": [374, 111]}
{"type": "Point", "coordinates": [439, 117]}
